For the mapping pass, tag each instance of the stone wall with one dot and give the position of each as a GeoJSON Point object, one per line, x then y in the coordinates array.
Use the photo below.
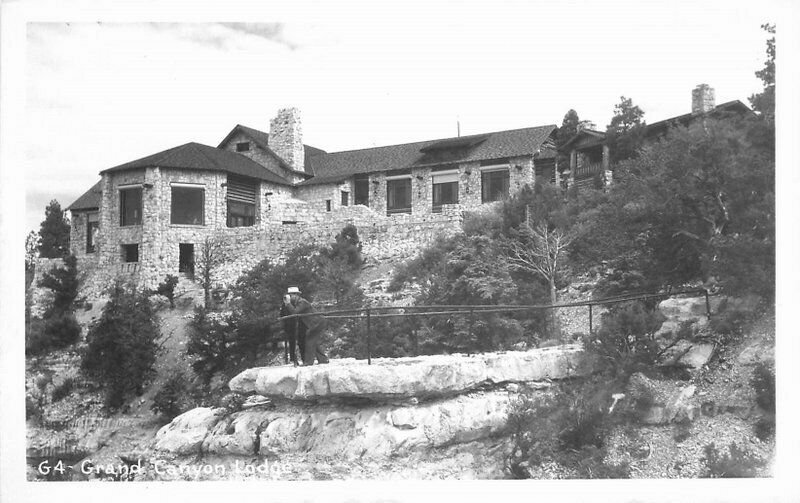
{"type": "Point", "coordinates": [286, 137]}
{"type": "Point", "coordinates": [520, 169]}
{"type": "Point", "coordinates": [286, 217]}
{"type": "Point", "coordinates": [260, 155]}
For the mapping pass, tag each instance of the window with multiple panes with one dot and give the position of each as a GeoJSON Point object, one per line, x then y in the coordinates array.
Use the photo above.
{"type": "Point", "coordinates": [361, 190]}
{"type": "Point", "coordinates": [398, 195]}
{"type": "Point", "coordinates": [130, 206]}
{"type": "Point", "coordinates": [187, 205]}
{"type": "Point", "coordinates": [130, 253]}
{"type": "Point", "coordinates": [445, 189]}
{"type": "Point", "coordinates": [494, 184]}
{"type": "Point", "coordinates": [92, 226]}
{"type": "Point", "coordinates": [241, 201]}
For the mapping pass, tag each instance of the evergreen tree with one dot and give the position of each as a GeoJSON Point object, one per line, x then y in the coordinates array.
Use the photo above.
{"type": "Point", "coordinates": [625, 132]}
{"type": "Point", "coordinates": [121, 345]}
{"type": "Point", "coordinates": [764, 102]}
{"type": "Point", "coordinates": [54, 232]}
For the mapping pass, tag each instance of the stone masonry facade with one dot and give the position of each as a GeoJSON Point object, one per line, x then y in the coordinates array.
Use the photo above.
{"type": "Point", "coordinates": [287, 214]}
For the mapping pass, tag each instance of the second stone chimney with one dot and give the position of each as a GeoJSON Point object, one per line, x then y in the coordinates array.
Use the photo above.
{"type": "Point", "coordinates": [702, 99]}
{"type": "Point", "coordinates": [286, 137]}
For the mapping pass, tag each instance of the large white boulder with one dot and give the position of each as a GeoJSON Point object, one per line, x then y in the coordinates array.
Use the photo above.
{"type": "Point", "coordinates": [185, 434]}
{"type": "Point", "coordinates": [424, 377]}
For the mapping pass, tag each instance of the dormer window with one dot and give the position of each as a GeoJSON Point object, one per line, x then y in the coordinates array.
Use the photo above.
{"type": "Point", "coordinates": [243, 146]}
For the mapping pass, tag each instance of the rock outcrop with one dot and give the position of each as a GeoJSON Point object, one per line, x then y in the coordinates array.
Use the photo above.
{"type": "Point", "coordinates": [423, 377]}
{"type": "Point", "coordinates": [349, 409]}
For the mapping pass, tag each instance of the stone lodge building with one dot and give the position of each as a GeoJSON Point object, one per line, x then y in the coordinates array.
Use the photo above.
{"type": "Point", "coordinates": [257, 195]}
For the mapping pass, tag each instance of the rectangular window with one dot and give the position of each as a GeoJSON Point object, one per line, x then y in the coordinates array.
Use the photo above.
{"type": "Point", "coordinates": [327, 205]}
{"type": "Point", "coordinates": [130, 253]}
{"type": "Point", "coordinates": [130, 206]}
{"type": "Point", "coordinates": [361, 190]}
{"type": "Point", "coordinates": [345, 198]}
{"type": "Point", "coordinates": [445, 189]}
{"type": "Point", "coordinates": [241, 196]}
{"type": "Point", "coordinates": [92, 226]}
{"type": "Point", "coordinates": [398, 196]}
{"type": "Point", "coordinates": [243, 146]}
{"type": "Point", "coordinates": [187, 205]}
{"type": "Point", "coordinates": [494, 185]}
{"type": "Point", "coordinates": [241, 214]}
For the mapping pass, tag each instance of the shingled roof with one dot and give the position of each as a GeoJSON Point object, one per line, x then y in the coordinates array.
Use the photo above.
{"type": "Point", "coordinates": [90, 200]}
{"type": "Point", "coordinates": [333, 167]}
{"type": "Point", "coordinates": [262, 140]}
{"type": "Point", "coordinates": [202, 157]}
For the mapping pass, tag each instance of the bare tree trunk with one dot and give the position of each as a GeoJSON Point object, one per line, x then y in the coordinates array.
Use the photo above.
{"type": "Point", "coordinates": [555, 324]}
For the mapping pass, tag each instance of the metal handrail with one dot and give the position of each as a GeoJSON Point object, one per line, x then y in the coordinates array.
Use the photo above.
{"type": "Point", "coordinates": [441, 310]}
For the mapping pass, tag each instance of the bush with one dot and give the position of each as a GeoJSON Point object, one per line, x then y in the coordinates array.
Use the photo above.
{"type": "Point", "coordinates": [729, 321]}
{"type": "Point", "coordinates": [763, 382]}
{"type": "Point", "coordinates": [567, 427]}
{"type": "Point", "coordinates": [61, 391]}
{"type": "Point", "coordinates": [737, 463]}
{"type": "Point", "coordinates": [209, 343]}
{"type": "Point", "coordinates": [173, 397]}
{"type": "Point", "coordinates": [56, 332]}
{"type": "Point", "coordinates": [167, 288]}
{"type": "Point", "coordinates": [63, 281]}
{"type": "Point", "coordinates": [625, 342]}
{"type": "Point", "coordinates": [62, 330]}
{"type": "Point", "coordinates": [765, 428]}
{"type": "Point", "coordinates": [121, 345]}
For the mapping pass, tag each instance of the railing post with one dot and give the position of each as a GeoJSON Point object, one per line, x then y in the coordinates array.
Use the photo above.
{"type": "Point", "coordinates": [369, 342]}
{"type": "Point", "coordinates": [590, 320]}
{"type": "Point", "coordinates": [708, 304]}
{"type": "Point", "coordinates": [471, 324]}
{"type": "Point", "coordinates": [297, 341]}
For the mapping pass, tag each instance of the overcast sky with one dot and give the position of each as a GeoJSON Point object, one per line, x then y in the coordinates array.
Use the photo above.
{"type": "Point", "coordinates": [103, 93]}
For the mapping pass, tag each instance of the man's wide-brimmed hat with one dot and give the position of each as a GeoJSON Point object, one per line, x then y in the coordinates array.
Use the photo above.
{"type": "Point", "coordinates": [293, 289]}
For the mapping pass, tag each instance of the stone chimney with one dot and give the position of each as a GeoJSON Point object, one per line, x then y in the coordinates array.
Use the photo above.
{"type": "Point", "coordinates": [286, 137]}
{"type": "Point", "coordinates": [702, 99]}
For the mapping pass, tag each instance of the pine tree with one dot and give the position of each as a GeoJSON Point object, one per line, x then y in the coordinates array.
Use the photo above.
{"type": "Point", "coordinates": [54, 232]}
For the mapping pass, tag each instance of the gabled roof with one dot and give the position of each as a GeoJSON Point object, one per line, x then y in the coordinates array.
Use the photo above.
{"type": "Point", "coordinates": [202, 157]}
{"type": "Point", "coordinates": [660, 127]}
{"type": "Point", "coordinates": [90, 200]}
{"type": "Point", "coordinates": [337, 166]}
{"type": "Point", "coordinates": [262, 140]}
{"type": "Point", "coordinates": [589, 134]}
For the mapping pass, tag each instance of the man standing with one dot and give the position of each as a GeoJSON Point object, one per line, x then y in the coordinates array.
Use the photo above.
{"type": "Point", "coordinates": [294, 335]}
{"type": "Point", "coordinates": [312, 325]}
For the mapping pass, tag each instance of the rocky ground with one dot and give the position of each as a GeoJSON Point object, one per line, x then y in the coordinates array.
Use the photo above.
{"type": "Point", "coordinates": [76, 427]}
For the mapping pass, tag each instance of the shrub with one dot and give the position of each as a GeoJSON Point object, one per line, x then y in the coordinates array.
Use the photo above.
{"type": "Point", "coordinates": [63, 281]}
{"type": "Point", "coordinates": [35, 340]}
{"type": "Point", "coordinates": [737, 463]}
{"type": "Point", "coordinates": [121, 345]}
{"type": "Point", "coordinates": [167, 288]}
{"type": "Point", "coordinates": [209, 343]}
{"type": "Point", "coordinates": [625, 342]}
{"type": "Point", "coordinates": [765, 428]}
{"type": "Point", "coordinates": [567, 427]}
{"type": "Point", "coordinates": [728, 321]}
{"type": "Point", "coordinates": [62, 390]}
{"type": "Point", "coordinates": [56, 332]}
{"type": "Point", "coordinates": [173, 397]}
{"type": "Point", "coordinates": [763, 382]}
{"type": "Point", "coordinates": [62, 330]}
